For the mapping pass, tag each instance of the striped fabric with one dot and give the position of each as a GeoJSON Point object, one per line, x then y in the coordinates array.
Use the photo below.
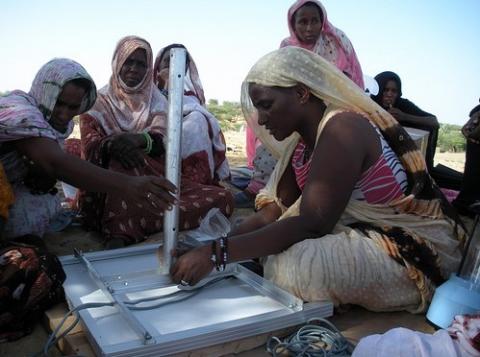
{"type": "Point", "coordinates": [384, 181]}
{"type": "Point", "coordinates": [381, 183]}
{"type": "Point", "coordinates": [301, 164]}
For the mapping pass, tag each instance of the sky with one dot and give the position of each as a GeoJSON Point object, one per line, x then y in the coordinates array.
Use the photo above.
{"type": "Point", "coordinates": [433, 45]}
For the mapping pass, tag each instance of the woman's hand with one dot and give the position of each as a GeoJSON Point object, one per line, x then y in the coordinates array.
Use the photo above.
{"type": "Point", "coordinates": [193, 266]}
{"type": "Point", "coordinates": [397, 113]}
{"type": "Point", "coordinates": [152, 192]}
{"type": "Point", "coordinates": [127, 149]}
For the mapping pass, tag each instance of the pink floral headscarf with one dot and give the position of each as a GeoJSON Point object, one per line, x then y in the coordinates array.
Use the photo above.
{"type": "Point", "coordinates": [332, 44]}
{"type": "Point", "coordinates": [192, 79]}
{"type": "Point", "coordinates": [24, 115]}
{"type": "Point", "coordinates": [120, 108]}
{"type": "Point", "coordinates": [27, 115]}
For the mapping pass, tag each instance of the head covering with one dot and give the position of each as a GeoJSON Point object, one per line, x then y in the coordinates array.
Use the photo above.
{"type": "Point", "coordinates": [382, 80]}
{"type": "Point", "coordinates": [192, 82]}
{"type": "Point", "coordinates": [403, 104]}
{"type": "Point", "coordinates": [25, 115]}
{"type": "Point", "coordinates": [332, 44]}
{"type": "Point", "coordinates": [120, 108]}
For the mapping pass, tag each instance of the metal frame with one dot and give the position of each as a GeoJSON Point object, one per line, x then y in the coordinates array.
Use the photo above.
{"type": "Point", "coordinates": [287, 310]}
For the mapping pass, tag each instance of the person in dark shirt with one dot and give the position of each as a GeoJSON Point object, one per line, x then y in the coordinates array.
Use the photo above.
{"type": "Point", "coordinates": [408, 114]}
{"type": "Point", "coordinates": [470, 191]}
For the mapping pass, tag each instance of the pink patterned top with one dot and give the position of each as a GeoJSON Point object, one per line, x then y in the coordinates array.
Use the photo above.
{"type": "Point", "coordinates": [381, 183]}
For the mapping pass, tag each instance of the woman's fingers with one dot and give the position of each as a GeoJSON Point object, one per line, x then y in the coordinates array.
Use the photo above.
{"type": "Point", "coordinates": [176, 273]}
{"type": "Point", "coordinates": [129, 158]}
{"type": "Point", "coordinates": [125, 162]}
{"type": "Point", "coordinates": [136, 158]}
{"type": "Point", "coordinates": [164, 183]}
{"type": "Point", "coordinates": [163, 196]}
{"type": "Point", "coordinates": [155, 204]}
{"type": "Point", "coordinates": [192, 266]}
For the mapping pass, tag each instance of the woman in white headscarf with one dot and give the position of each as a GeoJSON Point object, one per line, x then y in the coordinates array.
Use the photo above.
{"type": "Point", "coordinates": [124, 132]}
{"type": "Point", "coordinates": [203, 144]}
{"type": "Point", "coordinates": [350, 213]}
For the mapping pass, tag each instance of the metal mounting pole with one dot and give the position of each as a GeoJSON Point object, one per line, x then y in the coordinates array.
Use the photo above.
{"type": "Point", "coordinates": [173, 153]}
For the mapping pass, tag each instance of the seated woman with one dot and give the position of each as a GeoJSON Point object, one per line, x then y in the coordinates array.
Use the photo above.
{"type": "Point", "coordinates": [408, 114]}
{"type": "Point", "coordinates": [32, 129]}
{"type": "Point", "coordinates": [203, 144]}
{"type": "Point", "coordinates": [350, 213]}
{"type": "Point", "coordinates": [389, 97]}
{"type": "Point", "coordinates": [124, 133]}
{"type": "Point", "coordinates": [470, 189]}
{"type": "Point", "coordinates": [309, 29]}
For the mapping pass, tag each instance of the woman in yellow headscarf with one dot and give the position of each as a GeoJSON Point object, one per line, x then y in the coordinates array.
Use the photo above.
{"type": "Point", "coordinates": [350, 213]}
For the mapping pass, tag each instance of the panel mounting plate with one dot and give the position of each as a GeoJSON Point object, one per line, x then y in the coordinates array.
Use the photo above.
{"type": "Point", "coordinates": [241, 305]}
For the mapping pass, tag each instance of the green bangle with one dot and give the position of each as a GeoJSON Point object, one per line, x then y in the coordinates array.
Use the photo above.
{"type": "Point", "coordinates": [149, 143]}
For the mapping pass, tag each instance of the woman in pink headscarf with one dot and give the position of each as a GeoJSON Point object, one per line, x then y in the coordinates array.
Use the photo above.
{"type": "Point", "coordinates": [33, 127]}
{"type": "Point", "coordinates": [310, 29]}
{"type": "Point", "coordinates": [124, 132]}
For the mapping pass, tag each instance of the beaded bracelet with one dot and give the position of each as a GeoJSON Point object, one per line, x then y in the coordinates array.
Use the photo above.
{"type": "Point", "coordinates": [213, 256]}
{"type": "Point", "coordinates": [220, 262]}
{"type": "Point", "coordinates": [148, 143]}
{"type": "Point", "coordinates": [223, 252]}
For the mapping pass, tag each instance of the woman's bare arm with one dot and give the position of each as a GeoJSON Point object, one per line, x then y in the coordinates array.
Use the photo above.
{"type": "Point", "coordinates": [266, 215]}
{"type": "Point", "coordinates": [348, 146]}
{"type": "Point", "coordinates": [48, 155]}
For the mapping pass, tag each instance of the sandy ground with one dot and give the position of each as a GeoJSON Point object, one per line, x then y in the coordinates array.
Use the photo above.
{"type": "Point", "coordinates": [454, 160]}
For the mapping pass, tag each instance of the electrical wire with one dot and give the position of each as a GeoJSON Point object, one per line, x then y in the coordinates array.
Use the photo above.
{"type": "Point", "coordinates": [163, 301]}
{"type": "Point", "coordinates": [175, 296]}
{"type": "Point", "coordinates": [53, 338]}
{"type": "Point", "coordinates": [183, 293]}
{"type": "Point", "coordinates": [312, 340]}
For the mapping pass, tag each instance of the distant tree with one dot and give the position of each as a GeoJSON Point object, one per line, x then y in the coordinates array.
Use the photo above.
{"type": "Point", "coordinates": [229, 114]}
{"type": "Point", "coordinates": [450, 138]}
